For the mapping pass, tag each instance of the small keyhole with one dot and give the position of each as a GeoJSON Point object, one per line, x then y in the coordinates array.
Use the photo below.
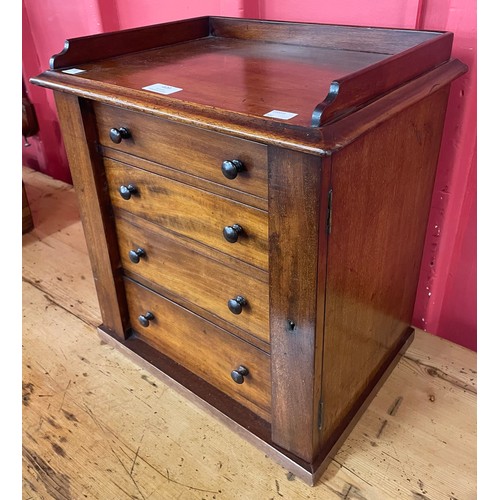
{"type": "Point", "coordinates": [290, 326]}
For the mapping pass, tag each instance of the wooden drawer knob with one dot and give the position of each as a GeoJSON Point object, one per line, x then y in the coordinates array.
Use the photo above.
{"type": "Point", "coordinates": [236, 305]}
{"type": "Point", "coordinates": [127, 191]}
{"type": "Point", "coordinates": [232, 233]}
{"type": "Point", "coordinates": [135, 255]}
{"type": "Point", "coordinates": [231, 168]}
{"type": "Point", "coordinates": [117, 134]}
{"type": "Point", "coordinates": [239, 374]}
{"type": "Point", "coordinates": [144, 319]}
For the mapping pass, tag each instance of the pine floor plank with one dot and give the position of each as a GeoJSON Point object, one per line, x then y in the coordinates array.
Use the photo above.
{"type": "Point", "coordinates": [97, 426]}
{"type": "Point", "coordinates": [56, 259]}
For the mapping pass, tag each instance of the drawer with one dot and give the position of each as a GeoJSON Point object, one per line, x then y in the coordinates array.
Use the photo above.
{"type": "Point", "coordinates": [196, 151]}
{"type": "Point", "coordinates": [197, 278]}
{"type": "Point", "coordinates": [191, 212]}
{"type": "Point", "coordinates": [201, 347]}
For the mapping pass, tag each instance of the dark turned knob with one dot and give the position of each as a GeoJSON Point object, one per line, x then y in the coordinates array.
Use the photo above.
{"type": "Point", "coordinates": [236, 305]}
{"type": "Point", "coordinates": [127, 191]}
{"type": "Point", "coordinates": [144, 319]}
{"type": "Point", "coordinates": [239, 375]}
{"type": "Point", "coordinates": [231, 168]}
{"type": "Point", "coordinates": [117, 134]}
{"type": "Point", "coordinates": [135, 255]}
{"type": "Point", "coordinates": [231, 233]}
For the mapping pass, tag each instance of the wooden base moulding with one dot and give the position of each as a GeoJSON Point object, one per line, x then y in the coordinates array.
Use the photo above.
{"type": "Point", "coordinates": [241, 421]}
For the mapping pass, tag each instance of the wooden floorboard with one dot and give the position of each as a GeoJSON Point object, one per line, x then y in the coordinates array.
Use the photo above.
{"type": "Point", "coordinates": [97, 426]}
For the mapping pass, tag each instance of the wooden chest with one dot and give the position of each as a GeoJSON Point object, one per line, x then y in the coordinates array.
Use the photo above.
{"type": "Point", "coordinates": [255, 196]}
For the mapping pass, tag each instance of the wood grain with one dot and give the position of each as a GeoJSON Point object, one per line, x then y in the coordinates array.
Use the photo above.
{"type": "Point", "coordinates": [355, 90]}
{"type": "Point", "coordinates": [192, 180]}
{"type": "Point", "coordinates": [97, 424]}
{"type": "Point", "coordinates": [343, 264]}
{"type": "Point", "coordinates": [381, 199]}
{"type": "Point", "coordinates": [200, 280]}
{"type": "Point", "coordinates": [255, 74]}
{"type": "Point", "coordinates": [350, 128]}
{"type": "Point", "coordinates": [202, 348]}
{"type": "Point", "coordinates": [243, 126]}
{"type": "Point", "coordinates": [191, 212]}
{"type": "Point", "coordinates": [331, 36]}
{"type": "Point", "coordinates": [103, 45]}
{"type": "Point", "coordinates": [197, 152]}
{"type": "Point", "coordinates": [295, 194]}
{"type": "Point", "coordinates": [87, 171]}
{"type": "Point", "coordinates": [58, 236]}
{"type": "Point", "coordinates": [316, 140]}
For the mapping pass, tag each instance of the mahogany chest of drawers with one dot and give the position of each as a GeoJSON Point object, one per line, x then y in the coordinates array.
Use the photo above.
{"type": "Point", "coordinates": [255, 196]}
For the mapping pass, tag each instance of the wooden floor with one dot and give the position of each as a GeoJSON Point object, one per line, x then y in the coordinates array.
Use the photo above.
{"type": "Point", "coordinates": [95, 425]}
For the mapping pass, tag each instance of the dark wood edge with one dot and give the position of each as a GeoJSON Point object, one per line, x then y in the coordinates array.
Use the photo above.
{"type": "Point", "coordinates": [296, 186]}
{"type": "Point", "coordinates": [320, 141]}
{"type": "Point", "coordinates": [324, 229]}
{"type": "Point", "coordinates": [347, 130]}
{"type": "Point", "coordinates": [235, 416]}
{"type": "Point", "coordinates": [104, 45]}
{"type": "Point", "coordinates": [190, 382]}
{"type": "Point", "coordinates": [258, 129]}
{"type": "Point", "coordinates": [80, 139]}
{"type": "Point", "coordinates": [346, 95]}
{"type": "Point", "coordinates": [329, 35]}
{"type": "Point", "coordinates": [362, 403]}
{"type": "Point", "coordinates": [85, 49]}
{"type": "Point", "coordinates": [239, 419]}
{"type": "Point", "coordinates": [321, 111]}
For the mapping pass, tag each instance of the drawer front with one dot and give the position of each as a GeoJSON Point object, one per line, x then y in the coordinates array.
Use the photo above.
{"type": "Point", "coordinates": [201, 280]}
{"type": "Point", "coordinates": [201, 347]}
{"type": "Point", "coordinates": [191, 212]}
{"type": "Point", "coordinates": [195, 151]}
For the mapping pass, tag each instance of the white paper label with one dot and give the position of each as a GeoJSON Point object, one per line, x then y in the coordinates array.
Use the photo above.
{"type": "Point", "coordinates": [161, 88]}
{"type": "Point", "coordinates": [282, 115]}
{"type": "Point", "coordinates": [73, 71]}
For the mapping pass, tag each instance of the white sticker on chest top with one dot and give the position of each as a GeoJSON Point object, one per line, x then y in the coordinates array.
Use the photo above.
{"type": "Point", "coordinates": [73, 71]}
{"type": "Point", "coordinates": [282, 115]}
{"type": "Point", "coordinates": [161, 88]}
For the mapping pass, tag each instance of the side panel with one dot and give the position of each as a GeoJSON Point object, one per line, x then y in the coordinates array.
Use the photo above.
{"type": "Point", "coordinates": [297, 219]}
{"type": "Point", "coordinates": [80, 140]}
{"type": "Point", "coordinates": [382, 188]}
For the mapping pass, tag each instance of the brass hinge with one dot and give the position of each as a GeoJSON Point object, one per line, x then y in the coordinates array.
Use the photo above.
{"type": "Point", "coordinates": [320, 415]}
{"type": "Point", "coordinates": [329, 213]}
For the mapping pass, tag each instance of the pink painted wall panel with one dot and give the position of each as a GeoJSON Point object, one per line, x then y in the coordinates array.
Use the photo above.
{"type": "Point", "coordinates": [386, 13]}
{"type": "Point", "coordinates": [446, 295]}
{"type": "Point", "coordinates": [449, 214]}
{"type": "Point", "coordinates": [133, 14]}
{"type": "Point", "coordinates": [458, 310]}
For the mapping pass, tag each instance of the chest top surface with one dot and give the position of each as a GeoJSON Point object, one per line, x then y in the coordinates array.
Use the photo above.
{"type": "Point", "coordinates": [288, 81]}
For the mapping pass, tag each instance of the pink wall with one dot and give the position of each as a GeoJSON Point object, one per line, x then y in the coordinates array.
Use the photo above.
{"type": "Point", "coordinates": [446, 299]}
{"type": "Point", "coordinates": [390, 13]}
